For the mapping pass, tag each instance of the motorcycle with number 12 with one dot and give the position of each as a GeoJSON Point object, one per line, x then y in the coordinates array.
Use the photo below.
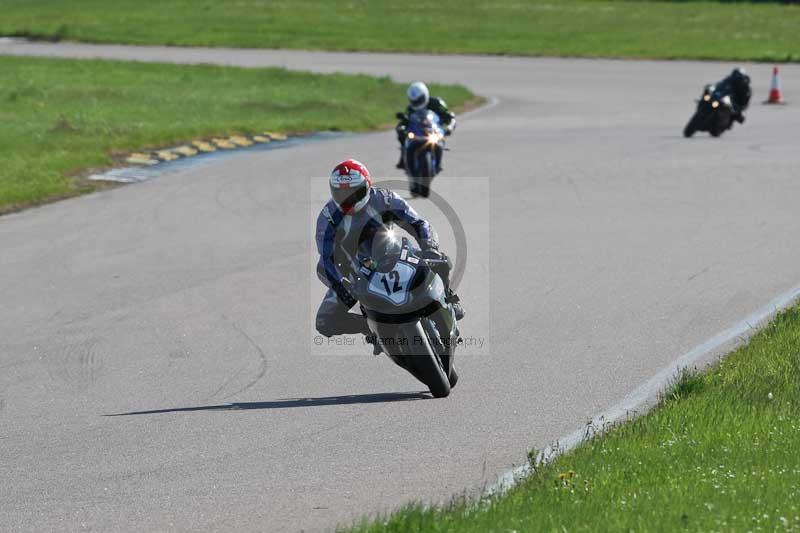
{"type": "Point", "coordinates": [403, 299]}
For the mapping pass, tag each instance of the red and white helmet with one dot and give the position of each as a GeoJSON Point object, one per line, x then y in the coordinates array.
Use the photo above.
{"type": "Point", "coordinates": [350, 184]}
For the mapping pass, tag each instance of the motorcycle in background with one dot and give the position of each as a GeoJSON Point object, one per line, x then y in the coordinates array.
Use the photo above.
{"type": "Point", "coordinates": [714, 113]}
{"type": "Point", "coordinates": [422, 150]}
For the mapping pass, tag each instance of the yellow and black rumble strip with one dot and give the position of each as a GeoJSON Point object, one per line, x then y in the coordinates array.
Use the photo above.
{"type": "Point", "coordinates": [202, 146]}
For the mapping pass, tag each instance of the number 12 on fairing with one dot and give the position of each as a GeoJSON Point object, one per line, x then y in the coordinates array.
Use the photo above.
{"type": "Point", "coordinates": [392, 288]}
{"type": "Point", "coordinates": [393, 285]}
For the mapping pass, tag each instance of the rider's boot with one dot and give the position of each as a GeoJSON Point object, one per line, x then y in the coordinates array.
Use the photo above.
{"type": "Point", "coordinates": [453, 299]}
{"type": "Point", "coordinates": [373, 339]}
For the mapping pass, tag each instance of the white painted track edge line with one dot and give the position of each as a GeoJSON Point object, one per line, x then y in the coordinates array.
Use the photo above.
{"type": "Point", "coordinates": [649, 390]}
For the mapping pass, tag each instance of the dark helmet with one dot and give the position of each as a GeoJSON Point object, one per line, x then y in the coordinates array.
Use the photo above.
{"type": "Point", "coordinates": [739, 76]}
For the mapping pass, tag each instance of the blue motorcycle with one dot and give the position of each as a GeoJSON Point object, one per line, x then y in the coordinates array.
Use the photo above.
{"type": "Point", "coordinates": [422, 150]}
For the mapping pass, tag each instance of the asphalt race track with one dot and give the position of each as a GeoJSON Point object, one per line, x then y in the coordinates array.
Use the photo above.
{"type": "Point", "coordinates": [602, 246]}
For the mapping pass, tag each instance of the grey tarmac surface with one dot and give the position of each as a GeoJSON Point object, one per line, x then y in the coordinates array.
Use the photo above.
{"type": "Point", "coordinates": [602, 247]}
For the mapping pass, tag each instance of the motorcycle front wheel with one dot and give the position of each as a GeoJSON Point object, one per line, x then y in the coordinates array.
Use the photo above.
{"type": "Point", "coordinates": [421, 360]}
{"type": "Point", "coordinates": [426, 174]}
{"type": "Point", "coordinates": [413, 186]}
{"type": "Point", "coordinates": [692, 126]}
{"type": "Point", "coordinates": [412, 171]}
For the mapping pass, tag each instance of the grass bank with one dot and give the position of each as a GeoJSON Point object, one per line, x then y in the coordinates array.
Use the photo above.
{"type": "Point", "coordinates": [720, 453]}
{"type": "Point", "coordinates": [594, 28]}
{"type": "Point", "coordinates": [61, 117]}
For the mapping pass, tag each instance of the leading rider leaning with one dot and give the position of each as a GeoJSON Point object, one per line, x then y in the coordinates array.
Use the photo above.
{"type": "Point", "coordinates": [352, 215]}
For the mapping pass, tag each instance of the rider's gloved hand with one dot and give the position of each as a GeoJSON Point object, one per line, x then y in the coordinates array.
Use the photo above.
{"type": "Point", "coordinates": [432, 253]}
{"type": "Point", "coordinates": [430, 250]}
{"type": "Point", "coordinates": [429, 244]}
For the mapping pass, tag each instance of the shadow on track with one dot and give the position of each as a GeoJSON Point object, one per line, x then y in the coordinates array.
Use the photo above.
{"type": "Point", "coordinates": [288, 403]}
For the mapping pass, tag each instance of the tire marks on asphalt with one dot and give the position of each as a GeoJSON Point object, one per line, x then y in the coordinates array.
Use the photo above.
{"type": "Point", "coordinates": [262, 366]}
{"type": "Point", "coordinates": [80, 365]}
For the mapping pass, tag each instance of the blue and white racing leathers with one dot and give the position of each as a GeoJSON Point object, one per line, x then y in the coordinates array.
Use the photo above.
{"type": "Point", "coordinates": [338, 237]}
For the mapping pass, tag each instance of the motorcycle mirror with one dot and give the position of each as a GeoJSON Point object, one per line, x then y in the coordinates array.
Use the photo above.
{"type": "Point", "coordinates": [401, 116]}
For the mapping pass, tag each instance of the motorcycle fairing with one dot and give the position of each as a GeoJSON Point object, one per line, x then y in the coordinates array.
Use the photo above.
{"type": "Point", "coordinates": [393, 286]}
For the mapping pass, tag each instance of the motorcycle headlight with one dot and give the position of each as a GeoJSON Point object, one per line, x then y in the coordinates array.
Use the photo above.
{"type": "Point", "coordinates": [706, 97]}
{"type": "Point", "coordinates": [411, 135]}
{"type": "Point", "coordinates": [432, 138]}
{"type": "Point", "coordinates": [715, 104]}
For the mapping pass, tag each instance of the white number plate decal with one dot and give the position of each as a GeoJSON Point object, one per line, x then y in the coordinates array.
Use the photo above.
{"type": "Point", "coordinates": [393, 285]}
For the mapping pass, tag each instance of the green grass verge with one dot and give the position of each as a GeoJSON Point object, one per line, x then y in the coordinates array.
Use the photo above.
{"type": "Point", "coordinates": [60, 117]}
{"type": "Point", "coordinates": [692, 29]}
{"type": "Point", "coordinates": [720, 453]}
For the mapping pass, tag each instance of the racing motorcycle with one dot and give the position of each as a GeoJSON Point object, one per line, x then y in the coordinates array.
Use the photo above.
{"type": "Point", "coordinates": [422, 150]}
{"type": "Point", "coordinates": [403, 299]}
{"type": "Point", "coordinates": [714, 113]}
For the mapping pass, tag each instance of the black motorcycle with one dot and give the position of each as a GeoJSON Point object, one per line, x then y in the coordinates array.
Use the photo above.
{"type": "Point", "coordinates": [403, 299]}
{"type": "Point", "coordinates": [714, 114]}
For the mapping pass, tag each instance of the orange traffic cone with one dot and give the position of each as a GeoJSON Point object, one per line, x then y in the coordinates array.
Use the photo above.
{"type": "Point", "coordinates": [775, 88]}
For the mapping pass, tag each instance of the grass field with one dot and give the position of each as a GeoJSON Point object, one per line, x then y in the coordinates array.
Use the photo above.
{"type": "Point", "coordinates": [61, 117]}
{"type": "Point", "coordinates": [719, 454]}
{"type": "Point", "coordinates": [702, 30]}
